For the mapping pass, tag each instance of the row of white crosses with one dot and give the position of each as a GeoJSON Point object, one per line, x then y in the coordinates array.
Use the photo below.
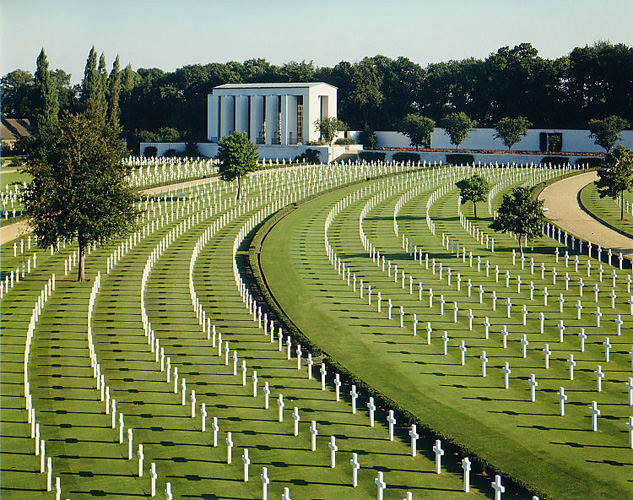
{"type": "Point", "coordinates": [104, 390]}
{"type": "Point", "coordinates": [13, 278]}
{"type": "Point", "coordinates": [36, 433]}
{"type": "Point", "coordinates": [599, 374]}
{"type": "Point", "coordinates": [532, 382]}
{"type": "Point", "coordinates": [295, 415]}
{"type": "Point", "coordinates": [205, 325]}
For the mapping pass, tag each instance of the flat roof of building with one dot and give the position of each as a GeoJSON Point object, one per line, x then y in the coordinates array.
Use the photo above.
{"type": "Point", "coordinates": [270, 85]}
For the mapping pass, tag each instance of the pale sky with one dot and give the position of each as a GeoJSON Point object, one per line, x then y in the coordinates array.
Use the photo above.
{"type": "Point", "coordinates": [170, 34]}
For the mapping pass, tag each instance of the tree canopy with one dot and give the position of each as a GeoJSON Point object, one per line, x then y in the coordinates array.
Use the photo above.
{"type": "Point", "coordinates": [512, 130]}
{"type": "Point", "coordinates": [78, 188]}
{"type": "Point", "coordinates": [474, 189]}
{"type": "Point", "coordinates": [418, 129]}
{"type": "Point", "coordinates": [520, 214]}
{"type": "Point", "coordinates": [616, 176]}
{"type": "Point", "coordinates": [606, 132]}
{"type": "Point", "coordinates": [591, 82]}
{"type": "Point", "coordinates": [237, 156]}
{"type": "Point", "coordinates": [457, 126]}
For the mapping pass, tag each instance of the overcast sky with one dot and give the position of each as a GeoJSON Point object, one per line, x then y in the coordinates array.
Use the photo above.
{"type": "Point", "coordinates": [170, 34]}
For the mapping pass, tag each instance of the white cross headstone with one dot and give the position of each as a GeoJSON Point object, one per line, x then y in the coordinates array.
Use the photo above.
{"type": "Point", "coordinates": [466, 466]}
{"type": "Point", "coordinates": [392, 422]}
{"type": "Point", "coordinates": [296, 417]}
{"type": "Point", "coordinates": [380, 483]}
{"type": "Point", "coordinates": [499, 489]}
{"type": "Point", "coordinates": [506, 375]}
{"type": "Point", "coordinates": [265, 482]}
{"type": "Point", "coordinates": [533, 385]}
{"type": "Point", "coordinates": [439, 452]}
{"type": "Point", "coordinates": [247, 462]}
{"type": "Point", "coordinates": [154, 476]}
{"type": "Point", "coordinates": [484, 361]}
{"type": "Point", "coordinates": [216, 430]}
{"type": "Point", "coordinates": [372, 408]}
{"type": "Point", "coordinates": [595, 413]}
{"type": "Point", "coordinates": [355, 467]}
{"type": "Point", "coordinates": [571, 364]}
{"type": "Point", "coordinates": [599, 376]}
{"type": "Point", "coordinates": [333, 450]}
{"type": "Point", "coordinates": [281, 404]}
{"type": "Point", "coordinates": [562, 398]}
{"type": "Point", "coordinates": [314, 433]}
{"type": "Point", "coordinates": [354, 396]}
{"type": "Point", "coordinates": [414, 439]}
{"type": "Point", "coordinates": [229, 447]}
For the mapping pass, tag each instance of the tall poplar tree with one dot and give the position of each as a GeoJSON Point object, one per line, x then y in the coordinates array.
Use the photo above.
{"type": "Point", "coordinates": [46, 109]}
{"type": "Point", "coordinates": [93, 95]}
{"type": "Point", "coordinates": [114, 92]}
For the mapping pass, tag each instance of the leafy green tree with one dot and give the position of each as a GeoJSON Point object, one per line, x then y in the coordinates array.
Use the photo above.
{"type": "Point", "coordinates": [366, 93]}
{"type": "Point", "coordinates": [521, 214]}
{"type": "Point", "coordinates": [474, 189]}
{"type": "Point", "coordinates": [17, 94]}
{"type": "Point", "coordinates": [607, 132]}
{"type": "Point", "coordinates": [328, 127]}
{"type": "Point", "coordinates": [512, 130]}
{"type": "Point", "coordinates": [418, 129]}
{"type": "Point", "coordinates": [238, 156]}
{"type": "Point", "coordinates": [368, 138]}
{"type": "Point", "coordinates": [78, 189]}
{"type": "Point", "coordinates": [46, 94]}
{"type": "Point", "coordinates": [616, 176]}
{"type": "Point", "coordinates": [457, 126]}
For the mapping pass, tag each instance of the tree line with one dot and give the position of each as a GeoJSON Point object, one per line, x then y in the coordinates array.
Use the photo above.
{"type": "Point", "coordinates": [376, 93]}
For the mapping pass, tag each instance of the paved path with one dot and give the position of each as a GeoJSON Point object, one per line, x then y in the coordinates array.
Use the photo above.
{"type": "Point", "coordinates": [560, 200]}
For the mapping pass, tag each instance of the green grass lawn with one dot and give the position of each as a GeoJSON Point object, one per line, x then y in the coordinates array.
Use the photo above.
{"type": "Point", "coordinates": [85, 450]}
{"type": "Point", "coordinates": [558, 456]}
{"type": "Point", "coordinates": [606, 209]}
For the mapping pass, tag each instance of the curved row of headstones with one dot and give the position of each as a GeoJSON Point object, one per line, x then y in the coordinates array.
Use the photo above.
{"type": "Point", "coordinates": [421, 262]}
{"type": "Point", "coordinates": [115, 256]}
{"type": "Point", "coordinates": [267, 324]}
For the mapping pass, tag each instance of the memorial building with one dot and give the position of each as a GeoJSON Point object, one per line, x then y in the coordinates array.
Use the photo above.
{"type": "Point", "coordinates": [271, 114]}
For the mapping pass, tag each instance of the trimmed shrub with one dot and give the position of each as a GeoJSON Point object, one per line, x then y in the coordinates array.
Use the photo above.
{"type": "Point", "coordinates": [371, 156]}
{"type": "Point", "coordinates": [150, 151]}
{"type": "Point", "coordinates": [554, 160]}
{"type": "Point", "coordinates": [404, 157]}
{"type": "Point", "coordinates": [170, 153]}
{"type": "Point", "coordinates": [345, 141]}
{"type": "Point", "coordinates": [460, 159]}
{"type": "Point", "coordinates": [590, 161]}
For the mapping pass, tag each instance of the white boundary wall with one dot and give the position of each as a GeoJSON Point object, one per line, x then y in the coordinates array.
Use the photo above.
{"type": "Point", "coordinates": [268, 152]}
{"type": "Point", "coordinates": [574, 141]}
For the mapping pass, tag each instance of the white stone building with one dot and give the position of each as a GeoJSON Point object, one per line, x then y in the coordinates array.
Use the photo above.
{"type": "Point", "coordinates": [271, 114]}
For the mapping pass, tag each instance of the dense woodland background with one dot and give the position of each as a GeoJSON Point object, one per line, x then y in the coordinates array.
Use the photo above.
{"type": "Point", "coordinates": [375, 93]}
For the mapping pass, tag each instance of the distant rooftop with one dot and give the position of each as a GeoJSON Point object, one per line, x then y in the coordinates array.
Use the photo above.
{"type": "Point", "coordinates": [14, 128]}
{"type": "Point", "coordinates": [270, 85]}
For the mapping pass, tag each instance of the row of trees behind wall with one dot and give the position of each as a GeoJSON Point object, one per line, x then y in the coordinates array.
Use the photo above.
{"type": "Point", "coordinates": [376, 93]}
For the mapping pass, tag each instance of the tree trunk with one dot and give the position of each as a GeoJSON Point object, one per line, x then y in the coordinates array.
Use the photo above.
{"type": "Point", "coordinates": [238, 188]}
{"type": "Point", "coordinates": [475, 209]}
{"type": "Point", "coordinates": [81, 262]}
{"type": "Point", "coordinates": [622, 206]}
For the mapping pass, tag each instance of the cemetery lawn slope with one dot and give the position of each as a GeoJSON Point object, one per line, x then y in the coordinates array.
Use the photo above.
{"type": "Point", "coordinates": [528, 441]}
